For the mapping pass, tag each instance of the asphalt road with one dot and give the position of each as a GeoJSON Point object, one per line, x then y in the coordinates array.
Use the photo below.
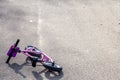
{"type": "Point", "coordinates": [83, 36]}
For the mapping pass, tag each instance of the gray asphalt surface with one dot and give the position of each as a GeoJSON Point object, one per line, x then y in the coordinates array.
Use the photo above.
{"type": "Point", "coordinates": [83, 36]}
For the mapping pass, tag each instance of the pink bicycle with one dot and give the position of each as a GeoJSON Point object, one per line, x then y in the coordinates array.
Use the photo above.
{"type": "Point", "coordinates": [34, 55]}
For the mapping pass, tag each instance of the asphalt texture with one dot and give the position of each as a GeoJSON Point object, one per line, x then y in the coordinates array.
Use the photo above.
{"type": "Point", "coordinates": [83, 36]}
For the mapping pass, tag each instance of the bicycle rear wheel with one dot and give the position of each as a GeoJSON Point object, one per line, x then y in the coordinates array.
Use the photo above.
{"type": "Point", "coordinates": [52, 67]}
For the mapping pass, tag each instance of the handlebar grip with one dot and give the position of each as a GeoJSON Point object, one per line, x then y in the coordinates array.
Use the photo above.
{"type": "Point", "coordinates": [12, 50]}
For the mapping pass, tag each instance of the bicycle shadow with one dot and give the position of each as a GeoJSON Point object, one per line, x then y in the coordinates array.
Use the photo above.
{"type": "Point", "coordinates": [55, 76]}
{"type": "Point", "coordinates": [37, 75]}
{"type": "Point", "coordinates": [16, 67]}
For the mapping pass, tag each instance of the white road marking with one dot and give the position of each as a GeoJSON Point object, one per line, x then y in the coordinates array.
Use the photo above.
{"type": "Point", "coordinates": [39, 28]}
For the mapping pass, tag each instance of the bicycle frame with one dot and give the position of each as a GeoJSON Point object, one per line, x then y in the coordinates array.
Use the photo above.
{"type": "Point", "coordinates": [44, 58]}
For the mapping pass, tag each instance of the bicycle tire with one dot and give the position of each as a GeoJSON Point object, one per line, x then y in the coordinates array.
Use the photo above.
{"type": "Point", "coordinates": [50, 67]}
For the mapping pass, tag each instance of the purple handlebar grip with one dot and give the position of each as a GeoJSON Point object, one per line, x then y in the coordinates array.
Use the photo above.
{"type": "Point", "coordinates": [10, 51]}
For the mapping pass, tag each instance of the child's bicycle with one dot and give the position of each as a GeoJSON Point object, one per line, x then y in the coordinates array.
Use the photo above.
{"type": "Point", "coordinates": [34, 55]}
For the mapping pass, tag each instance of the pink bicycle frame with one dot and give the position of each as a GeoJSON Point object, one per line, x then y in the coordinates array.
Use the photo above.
{"type": "Point", "coordinates": [45, 58]}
